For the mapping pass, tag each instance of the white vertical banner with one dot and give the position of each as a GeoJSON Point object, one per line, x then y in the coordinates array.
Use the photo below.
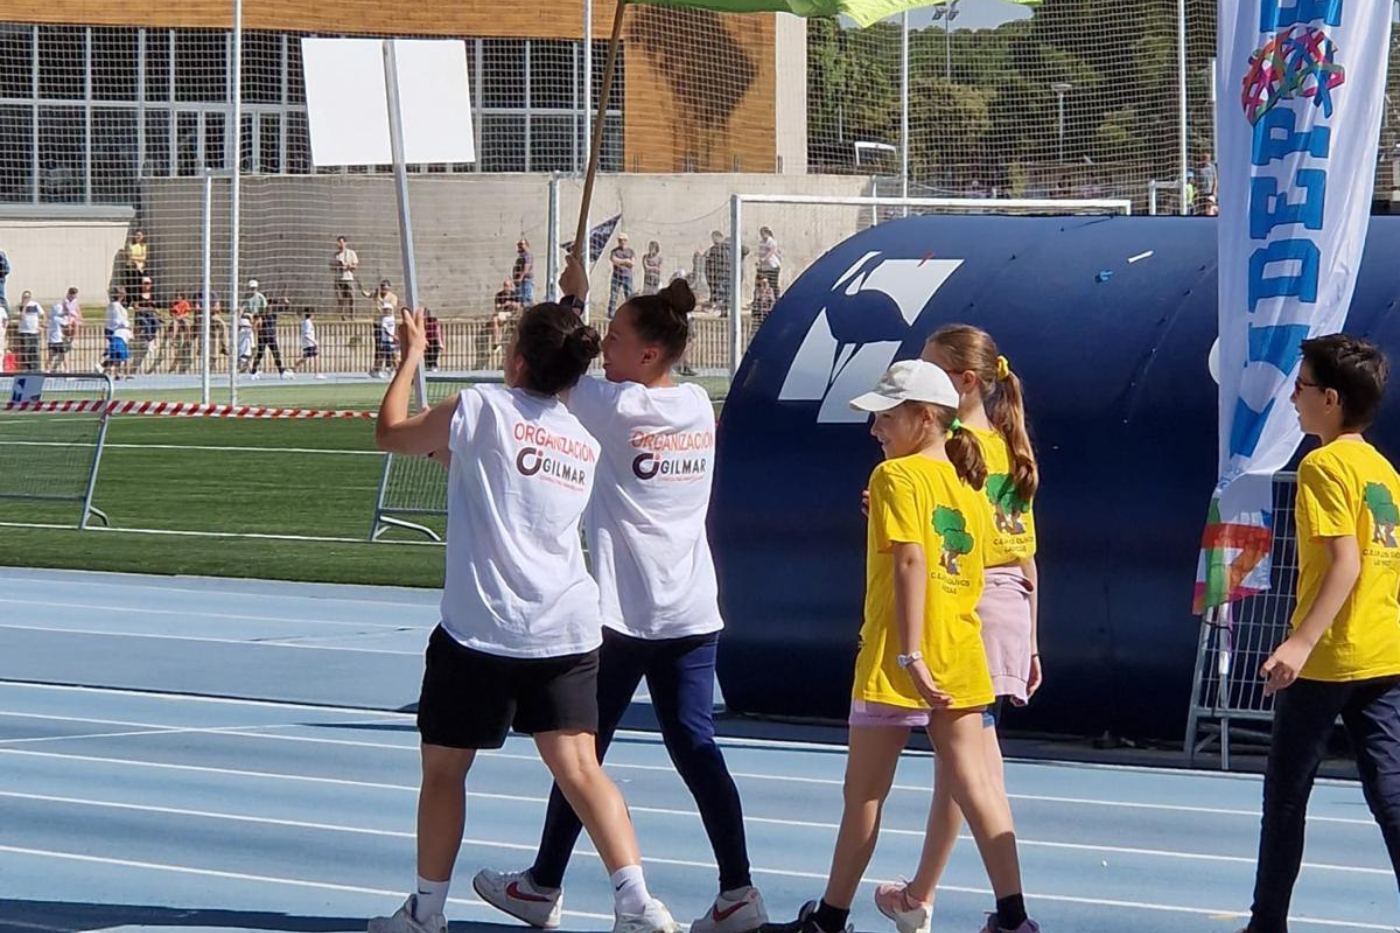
{"type": "Point", "coordinates": [1298, 131]}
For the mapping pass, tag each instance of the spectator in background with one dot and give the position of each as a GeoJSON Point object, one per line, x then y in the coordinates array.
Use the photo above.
{"type": "Point", "coordinates": [136, 254]}
{"type": "Point", "coordinates": [651, 269]}
{"type": "Point", "coordinates": [59, 331]}
{"type": "Point", "coordinates": [770, 263]}
{"type": "Point", "coordinates": [383, 297]}
{"type": "Point", "coordinates": [432, 331]}
{"type": "Point", "coordinates": [310, 347]}
{"type": "Point", "coordinates": [4, 274]}
{"type": "Point", "coordinates": [344, 264]}
{"type": "Point", "coordinates": [523, 274]}
{"type": "Point", "coordinates": [763, 301]}
{"type": "Point", "coordinates": [384, 343]}
{"type": "Point", "coordinates": [148, 326]}
{"type": "Point", "coordinates": [118, 331]}
{"type": "Point", "coordinates": [1211, 207]}
{"type": "Point", "coordinates": [1207, 177]}
{"type": "Point", "coordinates": [218, 330]}
{"type": "Point", "coordinates": [717, 266]}
{"type": "Point", "coordinates": [246, 326]}
{"type": "Point", "coordinates": [266, 324]}
{"type": "Point", "coordinates": [4, 345]}
{"type": "Point", "coordinates": [179, 335]}
{"type": "Point", "coordinates": [623, 258]}
{"type": "Point", "coordinates": [506, 309]}
{"type": "Point", "coordinates": [29, 323]}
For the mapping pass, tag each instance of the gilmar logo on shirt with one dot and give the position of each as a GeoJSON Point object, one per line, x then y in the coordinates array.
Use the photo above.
{"type": "Point", "coordinates": [649, 464]}
{"type": "Point", "coordinates": [535, 458]}
{"type": "Point", "coordinates": [950, 525]}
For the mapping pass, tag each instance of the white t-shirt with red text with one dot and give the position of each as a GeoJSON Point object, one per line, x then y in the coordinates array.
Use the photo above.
{"type": "Point", "coordinates": [521, 473]}
{"type": "Point", "coordinates": [646, 521]}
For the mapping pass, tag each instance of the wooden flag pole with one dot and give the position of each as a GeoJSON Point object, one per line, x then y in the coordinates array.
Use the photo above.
{"type": "Point", "coordinates": [596, 149]}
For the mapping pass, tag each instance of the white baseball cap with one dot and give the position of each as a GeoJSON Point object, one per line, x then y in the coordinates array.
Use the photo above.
{"type": "Point", "coordinates": [909, 381]}
{"type": "Point", "coordinates": [252, 283]}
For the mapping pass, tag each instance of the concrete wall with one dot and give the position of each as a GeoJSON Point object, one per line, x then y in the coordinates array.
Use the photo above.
{"type": "Point", "coordinates": [466, 228]}
{"type": "Point", "coordinates": [48, 256]}
{"type": "Point", "coordinates": [790, 98]}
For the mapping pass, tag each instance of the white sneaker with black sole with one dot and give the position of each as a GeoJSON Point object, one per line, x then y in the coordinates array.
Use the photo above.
{"type": "Point", "coordinates": [739, 911]}
{"type": "Point", "coordinates": [514, 893]}
{"type": "Point", "coordinates": [403, 921]}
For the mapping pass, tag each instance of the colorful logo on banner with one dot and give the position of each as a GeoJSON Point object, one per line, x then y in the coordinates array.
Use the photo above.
{"type": "Point", "coordinates": [1288, 251]}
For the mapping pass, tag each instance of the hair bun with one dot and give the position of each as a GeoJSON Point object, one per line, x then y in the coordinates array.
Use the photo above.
{"type": "Point", "coordinates": [679, 296]}
{"type": "Point", "coordinates": [583, 342]}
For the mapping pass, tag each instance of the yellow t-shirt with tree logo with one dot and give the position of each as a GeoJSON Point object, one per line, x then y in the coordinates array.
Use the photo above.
{"type": "Point", "coordinates": [917, 500]}
{"type": "Point", "coordinates": [1012, 519]}
{"type": "Point", "coordinates": [1347, 489]}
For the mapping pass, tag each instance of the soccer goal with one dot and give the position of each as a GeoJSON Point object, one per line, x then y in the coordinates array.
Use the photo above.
{"type": "Point", "coordinates": [1227, 693]}
{"type": "Point", "coordinates": [413, 490]}
{"type": "Point", "coordinates": [52, 430]}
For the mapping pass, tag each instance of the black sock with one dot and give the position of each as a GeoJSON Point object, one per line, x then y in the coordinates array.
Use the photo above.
{"type": "Point", "coordinates": [1011, 912]}
{"type": "Point", "coordinates": [831, 919]}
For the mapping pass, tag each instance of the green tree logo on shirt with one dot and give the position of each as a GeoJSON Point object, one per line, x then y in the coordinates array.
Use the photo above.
{"type": "Point", "coordinates": [1384, 513]}
{"type": "Point", "coordinates": [1007, 504]}
{"type": "Point", "coordinates": [950, 525]}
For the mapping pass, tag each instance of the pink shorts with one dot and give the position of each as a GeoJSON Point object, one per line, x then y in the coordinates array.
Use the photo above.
{"type": "Point", "coordinates": [885, 714]}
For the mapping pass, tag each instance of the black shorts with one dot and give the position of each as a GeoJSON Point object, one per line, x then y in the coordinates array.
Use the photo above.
{"type": "Point", "coordinates": [308, 353]}
{"type": "Point", "coordinates": [471, 699]}
{"type": "Point", "coordinates": [58, 349]}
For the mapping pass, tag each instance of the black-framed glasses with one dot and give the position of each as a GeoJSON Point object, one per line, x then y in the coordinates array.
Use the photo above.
{"type": "Point", "coordinates": [1300, 384]}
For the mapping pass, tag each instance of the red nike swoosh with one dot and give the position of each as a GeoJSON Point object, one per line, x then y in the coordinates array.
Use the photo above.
{"type": "Point", "coordinates": [723, 915]}
{"type": "Point", "coordinates": [513, 890]}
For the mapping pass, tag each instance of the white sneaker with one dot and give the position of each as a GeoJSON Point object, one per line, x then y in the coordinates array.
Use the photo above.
{"type": "Point", "coordinates": [320, 375]}
{"type": "Point", "coordinates": [909, 915]}
{"type": "Point", "coordinates": [515, 894]}
{"type": "Point", "coordinates": [655, 919]}
{"type": "Point", "coordinates": [255, 376]}
{"type": "Point", "coordinates": [742, 914]}
{"type": "Point", "coordinates": [288, 374]}
{"type": "Point", "coordinates": [402, 921]}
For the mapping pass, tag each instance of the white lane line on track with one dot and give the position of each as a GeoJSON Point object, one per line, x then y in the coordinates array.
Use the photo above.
{"type": "Point", "coordinates": [656, 811]}
{"type": "Point", "coordinates": [682, 863]}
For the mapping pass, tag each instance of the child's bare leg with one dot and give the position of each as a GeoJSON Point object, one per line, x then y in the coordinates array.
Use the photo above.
{"type": "Point", "coordinates": [572, 757]}
{"type": "Point", "coordinates": [442, 809]}
{"type": "Point", "coordinates": [945, 819]}
{"type": "Point", "coordinates": [960, 740]}
{"type": "Point", "coordinates": [870, 766]}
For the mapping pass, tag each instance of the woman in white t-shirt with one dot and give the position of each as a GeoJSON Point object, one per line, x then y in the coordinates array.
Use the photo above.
{"type": "Point", "coordinates": [651, 556]}
{"type": "Point", "coordinates": [520, 631]}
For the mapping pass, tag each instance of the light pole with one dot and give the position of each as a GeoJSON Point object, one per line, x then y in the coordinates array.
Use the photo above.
{"type": "Point", "coordinates": [1061, 88]}
{"type": "Point", "coordinates": [947, 13]}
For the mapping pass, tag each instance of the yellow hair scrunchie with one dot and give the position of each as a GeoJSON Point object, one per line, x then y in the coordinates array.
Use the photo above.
{"type": "Point", "coordinates": [1003, 369]}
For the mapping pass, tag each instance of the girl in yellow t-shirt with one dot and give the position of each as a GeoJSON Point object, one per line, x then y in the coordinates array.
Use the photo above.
{"type": "Point", "coordinates": [921, 662]}
{"type": "Point", "coordinates": [992, 409]}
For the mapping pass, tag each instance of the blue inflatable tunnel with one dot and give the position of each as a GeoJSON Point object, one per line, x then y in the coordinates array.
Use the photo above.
{"type": "Point", "coordinates": [1110, 323]}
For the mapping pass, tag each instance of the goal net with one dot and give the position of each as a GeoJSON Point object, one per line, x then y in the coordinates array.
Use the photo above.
{"type": "Point", "coordinates": [52, 428]}
{"type": "Point", "coordinates": [413, 490]}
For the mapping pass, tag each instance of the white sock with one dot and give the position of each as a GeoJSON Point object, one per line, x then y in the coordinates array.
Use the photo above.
{"type": "Point", "coordinates": [432, 898]}
{"type": "Point", "coordinates": [630, 895]}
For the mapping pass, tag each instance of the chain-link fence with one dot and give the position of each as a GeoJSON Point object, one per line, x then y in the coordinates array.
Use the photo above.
{"type": "Point", "coordinates": [117, 162]}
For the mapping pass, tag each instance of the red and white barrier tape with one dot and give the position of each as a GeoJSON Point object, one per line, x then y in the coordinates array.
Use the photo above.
{"type": "Point", "coordinates": [177, 409]}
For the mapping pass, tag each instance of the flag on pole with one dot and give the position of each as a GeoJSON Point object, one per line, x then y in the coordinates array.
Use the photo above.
{"type": "Point", "coordinates": [598, 239]}
{"type": "Point", "coordinates": [864, 12]}
{"type": "Point", "coordinates": [1297, 157]}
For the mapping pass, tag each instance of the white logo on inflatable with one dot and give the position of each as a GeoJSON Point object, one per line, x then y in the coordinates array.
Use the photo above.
{"type": "Point", "coordinates": [831, 372]}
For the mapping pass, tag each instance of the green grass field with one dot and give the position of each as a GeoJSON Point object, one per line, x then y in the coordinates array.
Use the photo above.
{"type": "Point", "coordinates": [229, 477]}
{"type": "Point", "coordinates": [213, 487]}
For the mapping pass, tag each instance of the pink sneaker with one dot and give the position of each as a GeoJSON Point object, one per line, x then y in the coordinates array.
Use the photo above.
{"type": "Point", "coordinates": [909, 915]}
